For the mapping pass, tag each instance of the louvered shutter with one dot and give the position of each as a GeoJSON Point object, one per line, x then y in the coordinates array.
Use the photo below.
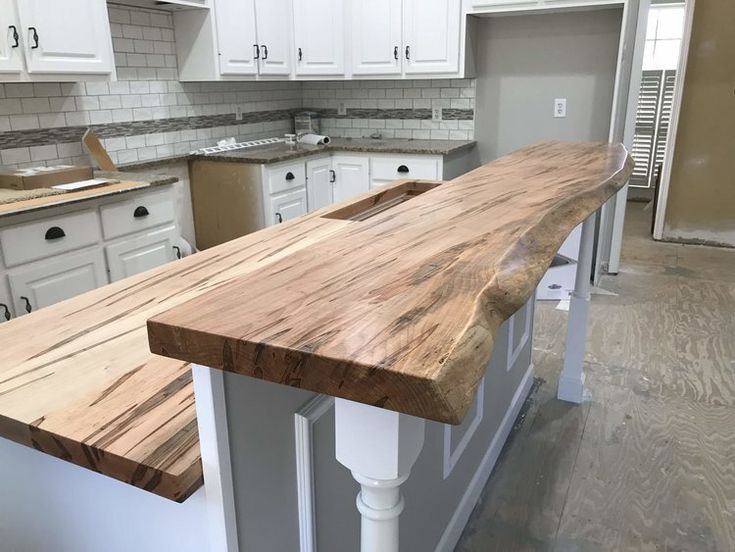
{"type": "Point", "coordinates": [645, 128]}
{"type": "Point", "coordinates": [664, 117]}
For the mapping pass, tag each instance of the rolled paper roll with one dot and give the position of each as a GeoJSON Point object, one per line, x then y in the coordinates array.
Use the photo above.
{"type": "Point", "coordinates": [315, 139]}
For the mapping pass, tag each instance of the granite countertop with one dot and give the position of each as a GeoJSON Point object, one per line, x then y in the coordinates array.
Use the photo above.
{"type": "Point", "coordinates": [275, 153]}
{"type": "Point", "coordinates": [13, 202]}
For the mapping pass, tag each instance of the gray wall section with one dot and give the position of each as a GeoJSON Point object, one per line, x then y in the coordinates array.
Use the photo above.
{"type": "Point", "coordinates": [524, 62]}
{"type": "Point", "coordinates": [262, 444]}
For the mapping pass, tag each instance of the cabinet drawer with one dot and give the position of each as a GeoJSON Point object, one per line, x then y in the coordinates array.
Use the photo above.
{"type": "Point", "coordinates": [49, 237]}
{"type": "Point", "coordinates": [137, 213]}
{"type": "Point", "coordinates": [281, 178]}
{"type": "Point", "coordinates": [404, 166]}
{"type": "Point", "coordinates": [140, 253]}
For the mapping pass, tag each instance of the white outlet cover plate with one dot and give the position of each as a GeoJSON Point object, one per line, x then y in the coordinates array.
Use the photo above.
{"type": "Point", "coordinates": [436, 114]}
{"type": "Point", "coordinates": [560, 107]}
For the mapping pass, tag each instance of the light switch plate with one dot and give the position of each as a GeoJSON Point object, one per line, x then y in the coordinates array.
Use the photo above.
{"type": "Point", "coordinates": [436, 114]}
{"type": "Point", "coordinates": [560, 107]}
{"type": "Point", "coordinates": [341, 109]}
{"type": "Point", "coordinates": [238, 113]}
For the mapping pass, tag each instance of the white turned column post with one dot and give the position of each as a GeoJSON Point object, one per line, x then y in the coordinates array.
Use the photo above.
{"type": "Point", "coordinates": [571, 381]}
{"type": "Point", "coordinates": [379, 447]}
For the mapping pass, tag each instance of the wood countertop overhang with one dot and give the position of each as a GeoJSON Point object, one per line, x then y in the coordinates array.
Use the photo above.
{"type": "Point", "coordinates": [399, 310]}
{"type": "Point", "coordinates": [77, 380]}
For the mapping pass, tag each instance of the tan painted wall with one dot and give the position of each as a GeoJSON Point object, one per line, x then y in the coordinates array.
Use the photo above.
{"type": "Point", "coordinates": [701, 204]}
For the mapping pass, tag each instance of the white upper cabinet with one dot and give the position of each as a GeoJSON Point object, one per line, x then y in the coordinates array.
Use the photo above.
{"type": "Point", "coordinates": [11, 60]}
{"type": "Point", "coordinates": [274, 36]}
{"type": "Point", "coordinates": [431, 36]}
{"type": "Point", "coordinates": [66, 37]}
{"type": "Point", "coordinates": [377, 48]}
{"type": "Point", "coordinates": [319, 37]}
{"type": "Point", "coordinates": [236, 37]}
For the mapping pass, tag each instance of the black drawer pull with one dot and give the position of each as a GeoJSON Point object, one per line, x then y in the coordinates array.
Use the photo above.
{"type": "Point", "coordinates": [27, 301]}
{"type": "Point", "coordinates": [332, 176]}
{"type": "Point", "coordinates": [177, 250]}
{"type": "Point", "coordinates": [35, 37]}
{"type": "Point", "coordinates": [6, 311]}
{"type": "Point", "coordinates": [279, 218]}
{"type": "Point", "coordinates": [403, 169]}
{"type": "Point", "coordinates": [54, 233]}
{"type": "Point", "coordinates": [16, 38]}
{"type": "Point", "coordinates": [140, 212]}
{"type": "Point", "coordinates": [290, 176]}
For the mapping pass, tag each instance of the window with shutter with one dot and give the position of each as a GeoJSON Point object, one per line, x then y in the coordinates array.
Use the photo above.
{"type": "Point", "coordinates": [645, 128]}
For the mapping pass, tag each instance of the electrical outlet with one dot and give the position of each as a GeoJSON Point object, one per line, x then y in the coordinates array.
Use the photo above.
{"type": "Point", "coordinates": [560, 108]}
{"type": "Point", "coordinates": [436, 114]}
{"type": "Point", "coordinates": [341, 109]}
{"type": "Point", "coordinates": [238, 113]}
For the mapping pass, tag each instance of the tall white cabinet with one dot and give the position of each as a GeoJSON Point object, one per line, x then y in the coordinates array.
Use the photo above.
{"type": "Point", "coordinates": [319, 37]}
{"type": "Point", "coordinates": [377, 43]}
{"type": "Point", "coordinates": [431, 36]}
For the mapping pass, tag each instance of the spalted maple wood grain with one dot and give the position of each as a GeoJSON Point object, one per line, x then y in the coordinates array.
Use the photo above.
{"type": "Point", "coordinates": [78, 381]}
{"type": "Point", "coordinates": [400, 310]}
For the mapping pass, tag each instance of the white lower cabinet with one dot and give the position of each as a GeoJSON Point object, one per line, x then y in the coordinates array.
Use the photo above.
{"type": "Point", "coordinates": [49, 281]}
{"type": "Point", "coordinates": [319, 183]}
{"type": "Point", "coordinates": [388, 168]}
{"type": "Point", "coordinates": [351, 176]}
{"type": "Point", "coordinates": [140, 253]}
{"type": "Point", "coordinates": [286, 206]}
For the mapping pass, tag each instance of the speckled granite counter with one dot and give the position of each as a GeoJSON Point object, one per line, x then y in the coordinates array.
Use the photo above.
{"type": "Point", "coordinates": [276, 153]}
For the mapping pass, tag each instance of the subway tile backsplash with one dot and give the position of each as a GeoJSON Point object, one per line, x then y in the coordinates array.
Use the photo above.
{"type": "Point", "coordinates": [148, 114]}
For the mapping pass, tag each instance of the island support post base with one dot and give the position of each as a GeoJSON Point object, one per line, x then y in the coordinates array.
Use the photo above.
{"type": "Point", "coordinates": [379, 447]}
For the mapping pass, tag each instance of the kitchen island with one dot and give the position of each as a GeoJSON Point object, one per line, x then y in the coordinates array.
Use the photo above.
{"type": "Point", "coordinates": [91, 394]}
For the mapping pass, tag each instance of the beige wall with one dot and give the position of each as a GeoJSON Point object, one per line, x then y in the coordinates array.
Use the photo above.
{"type": "Point", "coordinates": [701, 203]}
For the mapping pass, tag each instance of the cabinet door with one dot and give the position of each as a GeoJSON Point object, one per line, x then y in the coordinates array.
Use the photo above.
{"type": "Point", "coordinates": [274, 36]}
{"type": "Point", "coordinates": [49, 281]}
{"type": "Point", "coordinates": [66, 37]}
{"type": "Point", "coordinates": [236, 37]}
{"type": "Point", "coordinates": [431, 36]}
{"type": "Point", "coordinates": [319, 183]}
{"type": "Point", "coordinates": [6, 305]}
{"type": "Point", "coordinates": [10, 51]}
{"type": "Point", "coordinates": [319, 37]}
{"type": "Point", "coordinates": [283, 207]}
{"type": "Point", "coordinates": [141, 253]}
{"type": "Point", "coordinates": [376, 37]}
{"type": "Point", "coordinates": [351, 176]}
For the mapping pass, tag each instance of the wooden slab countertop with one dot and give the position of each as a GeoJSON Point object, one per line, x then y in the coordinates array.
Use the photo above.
{"type": "Point", "coordinates": [78, 381]}
{"type": "Point", "coordinates": [400, 310]}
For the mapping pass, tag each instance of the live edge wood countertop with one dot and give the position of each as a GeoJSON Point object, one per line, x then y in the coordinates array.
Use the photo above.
{"type": "Point", "coordinates": [400, 310]}
{"type": "Point", "coordinates": [397, 310]}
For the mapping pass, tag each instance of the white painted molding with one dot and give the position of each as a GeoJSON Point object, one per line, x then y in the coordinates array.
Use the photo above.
{"type": "Point", "coordinates": [663, 189]}
{"type": "Point", "coordinates": [514, 352]}
{"type": "Point", "coordinates": [304, 419]}
{"type": "Point", "coordinates": [456, 525]}
{"type": "Point", "coordinates": [214, 444]}
{"type": "Point", "coordinates": [451, 457]}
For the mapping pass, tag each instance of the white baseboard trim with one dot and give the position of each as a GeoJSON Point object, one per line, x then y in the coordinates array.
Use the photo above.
{"type": "Point", "coordinates": [464, 509]}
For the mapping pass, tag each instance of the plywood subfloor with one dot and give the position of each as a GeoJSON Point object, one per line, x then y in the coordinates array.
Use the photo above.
{"type": "Point", "coordinates": [648, 462]}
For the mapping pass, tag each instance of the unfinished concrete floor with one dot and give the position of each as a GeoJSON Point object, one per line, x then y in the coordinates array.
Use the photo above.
{"type": "Point", "coordinates": [648, 461]}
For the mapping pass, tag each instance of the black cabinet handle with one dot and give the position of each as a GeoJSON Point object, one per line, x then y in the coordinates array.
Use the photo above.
{"type": "Point", "coordinates": [395, 52]}
{"type": "Point", "coordinates": [290, 176]}
{"type": "Point", "coordinates": [54, 233]}
{"type": "Point", "coordinates": [35, 37]}
{"type": "Point", "coordinates": [140, 212]}
{"type": "Point", "coordinates": [6, 311]}
{"type": "Point", "coordinates": [301, 54]}
{"type": "Point", "coordinates": [403, 169]}
{"type": "Point", "coordinates": [177, 250]}
{"type": "Point", "coordinates": [332, 176]}
{"type": "Point", "coordinates": [15, 37]}
{"type": "Point", "coordinates": [257, 51]}
{"type": "Point", "coordinates": [265, 51]}
{"type": "Point", "coordinates": [408, 52]}
{"type": "Point", "coordinates": [279, 217]}
{"type": "Point", "coordinates": [29, 308]}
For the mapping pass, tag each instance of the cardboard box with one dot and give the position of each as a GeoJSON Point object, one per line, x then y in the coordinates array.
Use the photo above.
{"type": "Point", "coordinates": [43, 177]}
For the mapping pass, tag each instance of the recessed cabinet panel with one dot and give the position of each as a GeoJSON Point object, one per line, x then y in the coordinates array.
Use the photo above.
{"type": "Point", "coordinates": [319, 37]}
{"type": "Point", "coordinates": [319, 179]}
{"type": "Point", "coordinates": [274, 36]}
{"type": "Point", "coordinates": [431, 36]}
{"type": "Point", "coordinates": [236, 37]}
{"type": "Point", "coordinates": [72, 36]}
{"type": "Point", "coordinates": [376, 37]}
{"type": "Point", "coordinates": [283, 207]}
{"type": "Point", "coordinates": [11, 60]}
{"type": "Point", "coordinates": [49, 281]}
{"type": "Point", "coordinates": [131, 256]}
